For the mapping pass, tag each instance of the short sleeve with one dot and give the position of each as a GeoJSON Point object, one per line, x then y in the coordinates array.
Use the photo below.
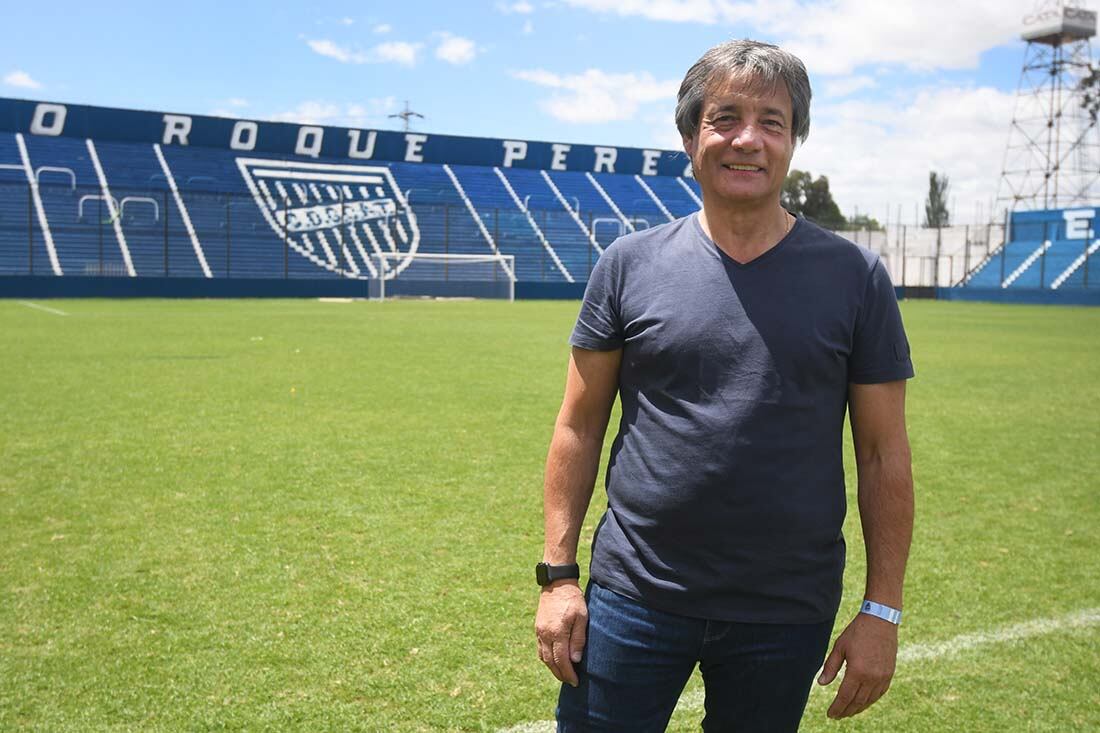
{"type": "Point", "coordinates": [880, 348]}
{"type": "Point", "coordinates": [599, 326]}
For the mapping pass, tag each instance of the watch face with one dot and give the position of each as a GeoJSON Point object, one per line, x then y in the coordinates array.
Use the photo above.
{"type": "Point", "coordinates": [542, 574]}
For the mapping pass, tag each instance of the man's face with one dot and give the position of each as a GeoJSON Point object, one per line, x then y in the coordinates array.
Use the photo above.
{"type": "Point", "coordinates": [743, 145]}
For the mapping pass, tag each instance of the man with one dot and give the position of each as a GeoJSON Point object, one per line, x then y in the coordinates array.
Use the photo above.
{"type": "Point", "coordinates": [736, 338]}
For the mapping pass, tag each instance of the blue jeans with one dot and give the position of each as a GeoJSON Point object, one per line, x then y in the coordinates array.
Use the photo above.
{"type": "Point", "coordinates": [637, 660]}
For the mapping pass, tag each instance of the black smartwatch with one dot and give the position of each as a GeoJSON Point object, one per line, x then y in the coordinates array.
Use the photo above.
{"type": "Point", "coordinates": [545, 573]}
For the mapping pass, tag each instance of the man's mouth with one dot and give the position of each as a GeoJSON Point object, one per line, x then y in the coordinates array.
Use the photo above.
{"type": "Point", "coordinates": [741, 167]}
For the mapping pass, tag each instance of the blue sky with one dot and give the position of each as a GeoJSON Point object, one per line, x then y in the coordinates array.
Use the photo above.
{"type": "Point", "coordinates": [901, 87]}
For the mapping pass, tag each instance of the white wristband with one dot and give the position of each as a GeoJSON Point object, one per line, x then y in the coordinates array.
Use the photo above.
{"type": "Point", "coordinates": [878, 610]}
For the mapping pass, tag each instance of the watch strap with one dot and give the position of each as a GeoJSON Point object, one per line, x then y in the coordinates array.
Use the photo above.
{"type": "Point", "coordinates": [545, 573]}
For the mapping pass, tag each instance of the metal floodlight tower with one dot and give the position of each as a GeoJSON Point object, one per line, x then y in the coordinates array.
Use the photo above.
{"type": "Point", "coordinates": [1052, 159]}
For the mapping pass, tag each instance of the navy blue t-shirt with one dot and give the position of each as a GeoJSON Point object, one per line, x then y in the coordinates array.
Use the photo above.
{"type": "Point", "coordinates": [725, 486]}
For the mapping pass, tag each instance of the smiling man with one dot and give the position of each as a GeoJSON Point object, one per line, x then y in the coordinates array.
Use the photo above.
{"type": "Point", "coordinates": [736, 339]}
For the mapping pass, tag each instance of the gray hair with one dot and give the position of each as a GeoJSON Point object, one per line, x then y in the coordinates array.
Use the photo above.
{"type": "Point", "coordinates": [764, 63]}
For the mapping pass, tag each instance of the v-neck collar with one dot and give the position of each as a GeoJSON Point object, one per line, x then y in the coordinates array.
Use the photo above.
{"type": "Point", "coordinates": [762, 257]}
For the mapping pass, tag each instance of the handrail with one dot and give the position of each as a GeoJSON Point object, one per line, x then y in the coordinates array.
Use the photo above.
{"type": "Point", "coordinates": [576, 203]}
{"type": "Point", "coordinates": [92, 197]}
{"type": "Point", "coordinates": [140, 200]}
{"type": "Point", "coordinates": [56, 169]}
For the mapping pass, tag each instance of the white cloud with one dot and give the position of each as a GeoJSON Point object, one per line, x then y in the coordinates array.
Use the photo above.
{"type": "Point", "coordinates": [347, 21]}
{"type": "Point", "coordinates": [522, 7]}
{"type": "Point", "coordinates": [598, 96]}
{"type": "Point", "coordinates": [931, 34]}
{"type": "Point", "coordinates": [456, 50]}
{"type": "Point", "coordinates": [21, 79]}
{"type": "Point", "coordinates": [400, 52]}
{"type": "Point", "coordinates": [382, 28]}
{"type": "Point", "coordinates": [848, 85]}
{"type": "Point", "coordinates": [332, 50]}
{"type": "Point", "coordinates": [371, 113]}
{"type": "Point", "coordinates": [231, 108]}
{"type": "Point", "coordinates": [880, 153]}
{"type": "Point", "coordinates": [528, 28]}
{"type": "Point", "coordinates": [838, 36]}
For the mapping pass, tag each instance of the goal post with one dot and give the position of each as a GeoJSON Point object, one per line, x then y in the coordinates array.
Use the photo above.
{"type": "Point", "coordinates": [428, 275]}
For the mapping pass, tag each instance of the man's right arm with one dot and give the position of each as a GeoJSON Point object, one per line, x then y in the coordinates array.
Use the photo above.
{"type": "Point", "coordinates": [571, 468]}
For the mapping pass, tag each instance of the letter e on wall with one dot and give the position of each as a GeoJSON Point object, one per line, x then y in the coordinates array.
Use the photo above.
{"type": "Point", "coordinates": [414, 148]}
{"type": "Point", "coordinates": [1077, 223]}
{"type": "Point", "coordinates": [557, 162]}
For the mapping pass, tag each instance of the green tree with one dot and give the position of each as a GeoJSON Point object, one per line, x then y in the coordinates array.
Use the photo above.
{"type": "Point", "coordinates": [809, 197]}
{"type": "Point", "coordinates": [1090, 97]}
{"type": "Point", "coordinates": [863, 222]}
{"type": "Point", "coordinates": [935, 206]}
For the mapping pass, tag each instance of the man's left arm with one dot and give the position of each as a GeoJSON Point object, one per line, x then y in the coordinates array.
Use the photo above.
{"type": "Point", "coordinates": [868, 646]}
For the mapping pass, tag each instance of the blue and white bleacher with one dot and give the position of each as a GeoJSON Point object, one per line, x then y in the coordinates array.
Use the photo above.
{"type": "Point", "coordinates": [222, 231]}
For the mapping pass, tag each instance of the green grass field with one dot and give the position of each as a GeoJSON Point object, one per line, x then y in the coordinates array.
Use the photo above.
{"type": "Point", "coordinates": [294, 515]}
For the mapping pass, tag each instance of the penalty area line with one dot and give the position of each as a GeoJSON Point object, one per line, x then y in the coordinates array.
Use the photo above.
{"type": "Point", "coordinates": [45, 308]}
{"type": "Point", "coordinates": [1075, 621]}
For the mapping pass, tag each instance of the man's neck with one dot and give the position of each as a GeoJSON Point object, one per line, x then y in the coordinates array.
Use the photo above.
{"type": "Point", "coordinates": [745, 233]}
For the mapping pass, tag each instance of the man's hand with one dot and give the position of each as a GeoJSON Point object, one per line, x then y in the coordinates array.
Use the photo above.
{"type": "Point", "coordinates": [561, 626]}
{"type": "Point", "coordinates": [869, 650]}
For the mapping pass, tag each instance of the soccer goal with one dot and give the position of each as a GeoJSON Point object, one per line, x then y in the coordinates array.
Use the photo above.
{"type": "Point", "coordinates": [422, 275]}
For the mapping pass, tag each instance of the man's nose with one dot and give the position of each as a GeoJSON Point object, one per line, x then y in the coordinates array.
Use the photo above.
{"type": "Point", "coordinates": [747, 138]}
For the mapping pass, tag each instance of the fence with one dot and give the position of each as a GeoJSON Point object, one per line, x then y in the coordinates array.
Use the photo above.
{"type": "Point", "coordinates": [237, 239]}
{"type": "Point", "coordinates": [924, 257]}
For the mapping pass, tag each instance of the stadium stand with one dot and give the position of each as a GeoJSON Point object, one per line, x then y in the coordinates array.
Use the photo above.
{"type": "Point", "coordinates": [91, 192]}
{"type": "Point", "coordinates": [1051, 249]}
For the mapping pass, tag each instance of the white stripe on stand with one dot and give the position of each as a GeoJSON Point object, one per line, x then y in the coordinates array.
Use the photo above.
{"type": "Point", "coordinates": [39, 209]}
{"type": "Point", "coordinates": [116, 218]}
{"type": "Point", "coordinates": [183, 212]}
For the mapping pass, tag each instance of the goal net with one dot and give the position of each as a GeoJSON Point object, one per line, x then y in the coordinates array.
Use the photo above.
{"type": "Point", "coordinates": [422, 275]}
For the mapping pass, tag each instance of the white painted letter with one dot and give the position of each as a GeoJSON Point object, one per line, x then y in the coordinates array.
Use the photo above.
{"type": "Point", "coordinates": [605, 159]}
{"type": "Point", "coordinates": [514, 150]}
{"type": "Point", "coordinates": [649, 162]}
{"type": "Point", "coordinates": [414, 150]}
{"type": "Point", "coordinates": [178, 127]}
{"type": "Point", "coordinates": [239, 141]}
{"type": "Point", "coordinates": [353, 146]}
{"type": "Point", "coordinates": [55, 126]}
{"type": "Point", "coordinates": [1077, 223]}
{"type": "Point", "coordinates": [688, 172]}
{"type": "Point", "coordinates": [557, 163]}
{"type": "Point", "coordinates": [309, 141]}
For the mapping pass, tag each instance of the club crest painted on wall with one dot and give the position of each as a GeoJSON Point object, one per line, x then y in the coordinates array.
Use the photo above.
{"type": "Point", "coordinates": [336, 216]}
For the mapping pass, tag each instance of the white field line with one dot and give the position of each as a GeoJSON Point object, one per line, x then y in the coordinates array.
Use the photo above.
{"type": "Point", "coordinates": [693, 701]}
{"type": "Point", "coordinates": [55, 311]}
